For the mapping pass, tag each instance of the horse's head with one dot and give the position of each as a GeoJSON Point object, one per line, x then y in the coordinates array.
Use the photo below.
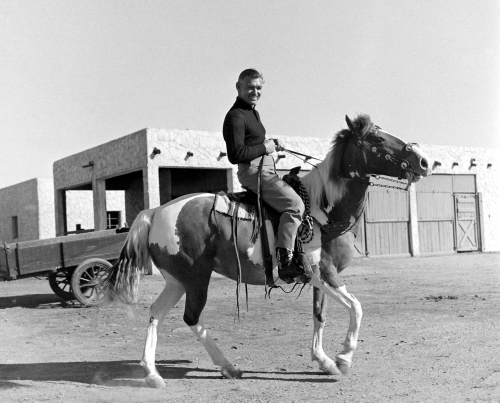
{"type": "Point", "coordinates": [367, 149]}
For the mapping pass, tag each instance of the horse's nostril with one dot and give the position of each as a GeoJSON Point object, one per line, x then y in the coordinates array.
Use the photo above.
{"type": "Point", "coordinates": [424, 164]}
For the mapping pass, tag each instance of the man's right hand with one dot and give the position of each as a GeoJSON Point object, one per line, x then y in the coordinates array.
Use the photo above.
{"type": "Point", "coordinates": [270, 146]}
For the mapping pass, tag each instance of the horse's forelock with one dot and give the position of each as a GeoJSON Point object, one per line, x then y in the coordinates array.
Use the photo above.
{"type": "Point", "coordinates": [363, 124]}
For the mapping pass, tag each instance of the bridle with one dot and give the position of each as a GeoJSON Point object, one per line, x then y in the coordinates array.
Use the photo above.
{"type": "Point", "coordinates": [366, 146]}
{"type": "Point", "coordinates": [335, 229]}
{"type": "Point", "coordinates": [404, 164]}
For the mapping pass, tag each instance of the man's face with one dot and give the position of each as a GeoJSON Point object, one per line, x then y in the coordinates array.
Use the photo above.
{"type": "Point", "coordinates": [250, 89]}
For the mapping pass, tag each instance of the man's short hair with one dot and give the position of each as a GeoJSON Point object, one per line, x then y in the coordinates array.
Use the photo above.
{"type": "Point", "coordinates": [252, 73]}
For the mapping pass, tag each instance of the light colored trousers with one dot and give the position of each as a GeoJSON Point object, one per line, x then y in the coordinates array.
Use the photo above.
{"type": "Point", "coordinates": [278, 194]}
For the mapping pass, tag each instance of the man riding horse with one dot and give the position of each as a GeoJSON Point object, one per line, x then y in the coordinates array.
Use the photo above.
{"type": "Point", "coordinates": [248, 147]}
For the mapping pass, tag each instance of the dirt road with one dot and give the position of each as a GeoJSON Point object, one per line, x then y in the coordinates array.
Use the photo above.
{"type": "Point", "coordinates": [430, 333]}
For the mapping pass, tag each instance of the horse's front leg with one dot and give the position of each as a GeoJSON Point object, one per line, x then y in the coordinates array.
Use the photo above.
{"type": "Point", "coordinates": [349, 301]}
{"type": "Point", "coordinates": [326, 364]}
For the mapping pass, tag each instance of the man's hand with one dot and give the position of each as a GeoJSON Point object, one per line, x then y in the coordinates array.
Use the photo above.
{"type": "Point", "coordinates": [270, 146]}
{"type": "Point", "coordinates": [280, 144]}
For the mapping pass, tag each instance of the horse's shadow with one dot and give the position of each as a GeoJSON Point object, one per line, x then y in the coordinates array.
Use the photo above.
{"type": "Point", "coordinates": [108, 373]}
{"type": "Point", "coordinates": [37, 301]}
{"type": "Point", "coordinates": [125, 373]}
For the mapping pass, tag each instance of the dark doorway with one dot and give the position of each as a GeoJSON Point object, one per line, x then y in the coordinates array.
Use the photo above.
{"type": "Point", "coordinates": [177, 182]}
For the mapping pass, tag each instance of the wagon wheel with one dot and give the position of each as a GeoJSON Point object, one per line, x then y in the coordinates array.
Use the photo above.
{"type": "Point", "coordinates": [86, 281]}
{"type": "Point", "coordinates": [60, 283]}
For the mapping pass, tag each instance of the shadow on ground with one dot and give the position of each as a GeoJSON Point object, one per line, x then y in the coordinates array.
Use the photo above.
{"type": "Point", "coordinates": [127, 373]}
{"type": "Point", "coordinates": [36, 301]}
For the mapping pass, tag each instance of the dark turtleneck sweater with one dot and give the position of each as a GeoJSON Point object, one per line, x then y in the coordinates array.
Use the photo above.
{"type": "Point", "coordinates": [244, 133]}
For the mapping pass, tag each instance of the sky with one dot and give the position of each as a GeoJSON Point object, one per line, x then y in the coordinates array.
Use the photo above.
{"type": "Point", "coordinates": [76, 74]}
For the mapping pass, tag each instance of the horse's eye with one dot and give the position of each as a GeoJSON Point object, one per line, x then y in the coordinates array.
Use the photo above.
{"type": "Point", "coordinates": [377, 139]}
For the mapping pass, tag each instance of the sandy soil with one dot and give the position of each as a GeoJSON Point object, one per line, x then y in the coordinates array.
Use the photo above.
{"type": "Point", "coordinates": [430, 333]}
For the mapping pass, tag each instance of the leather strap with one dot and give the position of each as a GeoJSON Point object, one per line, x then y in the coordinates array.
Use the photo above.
{"type": "Point", "coordinates": [266, 253]}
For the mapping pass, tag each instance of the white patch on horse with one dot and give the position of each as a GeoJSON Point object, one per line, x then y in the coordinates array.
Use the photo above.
{"type": "Point", "coordinates": [254, 253]}
{"type": "Point", "coordinates": [164, 232]}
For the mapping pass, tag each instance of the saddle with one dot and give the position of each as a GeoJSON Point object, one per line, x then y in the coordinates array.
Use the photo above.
{"type": "Point", "coordinates": [248, 206]}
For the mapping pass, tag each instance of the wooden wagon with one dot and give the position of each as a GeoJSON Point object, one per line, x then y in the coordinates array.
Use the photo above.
{"type": "Point", "coordinates": [74, 264]}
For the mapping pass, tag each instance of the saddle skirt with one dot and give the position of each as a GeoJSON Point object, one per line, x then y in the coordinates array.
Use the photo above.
{"type": "Point", "coordinates": [245, 203]}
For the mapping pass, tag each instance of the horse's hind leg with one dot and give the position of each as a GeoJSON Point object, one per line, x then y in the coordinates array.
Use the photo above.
{"type": "Point", "coordinates": [172, 293]}
{"type": "Point", "coordinates": [196, 298]}
{"type": "Point", "coordinates": [227, 369]}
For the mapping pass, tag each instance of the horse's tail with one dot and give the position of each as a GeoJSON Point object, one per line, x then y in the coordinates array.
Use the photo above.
{"type": "Point", "coordinates": [122, 283]}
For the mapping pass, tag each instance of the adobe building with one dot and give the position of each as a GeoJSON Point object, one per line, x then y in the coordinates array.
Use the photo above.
{"type": "Point", "coordinates": [27, 211]}
{"type": "Point", "coordinates": [456, 209]}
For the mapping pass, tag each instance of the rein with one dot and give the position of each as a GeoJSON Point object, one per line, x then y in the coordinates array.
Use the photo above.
{"type": "Point", "coordinates": [306, 157]}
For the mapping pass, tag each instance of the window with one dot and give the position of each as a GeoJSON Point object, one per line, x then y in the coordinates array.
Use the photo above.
{"type": "Point", "coordinates": [15, 227]}
{"type": "Point", "coordinates": [113, 219]}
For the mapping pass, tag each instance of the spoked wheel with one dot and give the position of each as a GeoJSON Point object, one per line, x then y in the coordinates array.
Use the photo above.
{"type": "Point", "coordinates": [60, 283]}
{"type": "Point", "coordinates": [86, 281]}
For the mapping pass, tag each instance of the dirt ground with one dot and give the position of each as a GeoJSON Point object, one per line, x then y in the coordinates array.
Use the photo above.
{"type": "Point", "coordinates": [430, 333]}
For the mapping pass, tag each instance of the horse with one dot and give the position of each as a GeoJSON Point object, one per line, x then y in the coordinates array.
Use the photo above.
{"type": "Point", "coordinates": [187, 241]}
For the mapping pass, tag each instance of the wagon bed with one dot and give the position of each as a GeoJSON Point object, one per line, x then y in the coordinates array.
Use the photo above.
{"type": "Point", "coordinates": [74, 264]}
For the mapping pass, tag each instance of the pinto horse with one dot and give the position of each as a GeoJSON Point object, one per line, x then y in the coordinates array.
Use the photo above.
{"type": "Point", "coordinates": [187, 241]}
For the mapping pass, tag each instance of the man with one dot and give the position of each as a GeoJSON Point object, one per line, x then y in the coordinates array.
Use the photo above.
{"type": "Point", "coordinates": [246, 143]}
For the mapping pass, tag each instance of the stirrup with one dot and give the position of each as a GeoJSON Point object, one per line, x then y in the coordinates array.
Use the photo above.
{"type": "Point", "coordinates": [288, 269]}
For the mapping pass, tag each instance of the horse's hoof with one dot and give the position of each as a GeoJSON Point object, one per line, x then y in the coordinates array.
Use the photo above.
{"type": "Point", "coordinates": [231, 372]}
{"type": "Point", "coordinates": [329, 367]}
{"type": "Point", "coordinates": [343, 365]}
{"type": "Point", "coordinates": [155, 381]}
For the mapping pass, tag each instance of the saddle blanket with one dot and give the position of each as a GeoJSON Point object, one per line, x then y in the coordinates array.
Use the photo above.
{"type": "Point", "coordinates": [223, 205]}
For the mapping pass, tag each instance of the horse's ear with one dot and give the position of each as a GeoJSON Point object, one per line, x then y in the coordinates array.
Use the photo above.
{"type": "Point", "coordinates": [349, 123]}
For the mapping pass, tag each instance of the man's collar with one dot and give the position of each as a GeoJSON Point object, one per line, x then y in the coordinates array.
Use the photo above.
{"type": "Point", "coordinates": [240, 104]}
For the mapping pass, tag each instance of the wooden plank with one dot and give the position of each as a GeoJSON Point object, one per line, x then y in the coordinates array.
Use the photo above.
{"type": "Point", "coordinates": [466, 223]}
{"type": "Point", "coordinates": [48, 254]}
{"type": "Point", "coordinates": [38, 258]}
{"type": "Point", "coordinates": [105, 247]}
{"type": "Point", "coordinates": [388, 238]}
{"type": "Point", "coordinates": [480, 219]}
{"type": "Point", "coordinates": [435, 206]}
{"type": "Point", "coordinates": [436, 236]}
{"type": "Point", "coordinates": [435, 184]}
{"type": "Point", "coordinates": [464, 183]}
{"type": "Point", "coordinates": [387, 222]}
{"type": "Point", "coordinates": [8, 264]}
{"type": "Point", "coordinates": [387, 206]}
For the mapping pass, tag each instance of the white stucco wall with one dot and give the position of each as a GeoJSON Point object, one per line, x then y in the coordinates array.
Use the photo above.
{"type": "Point", "coordinates": [207, 146]}
{"type": "Point", "coordinates": [32, 202]}
{"type": "Point", "coordinates": [487, 182]}
{"type": "Point", "coordinates": [46, 213]}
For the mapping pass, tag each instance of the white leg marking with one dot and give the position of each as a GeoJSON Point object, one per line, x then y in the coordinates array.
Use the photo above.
{"type": "Point", "coordinates": [326, 364]}
{"type": "Point", "coordinates": [227, 369]}
{"type": "Point", "coordinates": [349, 301]}
{"type": "Point", "coordinates": [171, 294]}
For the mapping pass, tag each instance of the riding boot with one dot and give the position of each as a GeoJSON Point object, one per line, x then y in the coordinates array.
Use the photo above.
{"type": "Point", "coordinates": [288, 268]}
{"type": "Point", "coordinates": [307, 270]}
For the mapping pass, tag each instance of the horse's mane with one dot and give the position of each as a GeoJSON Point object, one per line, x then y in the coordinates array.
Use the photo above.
{"type": "Point", "coordinates": [325, 185]}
